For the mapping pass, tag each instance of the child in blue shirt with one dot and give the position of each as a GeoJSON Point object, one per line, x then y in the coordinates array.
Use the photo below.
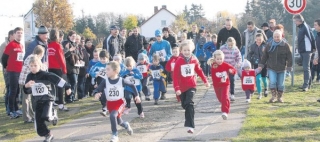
{"type": "Point", "coordinates": [209, 48]}
{"type": "Point", "coordinates": [159, 82]}
{"type": "Point", "coordinates": [90, 80]}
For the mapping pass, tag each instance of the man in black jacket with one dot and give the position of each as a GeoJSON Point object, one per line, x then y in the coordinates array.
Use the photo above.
{"type": "Point", "coordinates": [134, 44]}
{"type": "Point", "coordinates": [306, 45]}
{"type": "Point", "coordinates": [267, 31]}
{"type": "Point", "coordinates": [168, 37]}
{"type": "Point", "coordinates": [114, 44]}
{"type": "Point", "coordinates": [316, 57]}
{"type": "Point", "coordinates": [228, 31]}
{"type": "Point", "coordinates": [193, 34]}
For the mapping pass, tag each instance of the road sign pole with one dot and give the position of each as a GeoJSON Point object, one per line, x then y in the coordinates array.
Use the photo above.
{"type": "Point", "coordinates": [293, 51]}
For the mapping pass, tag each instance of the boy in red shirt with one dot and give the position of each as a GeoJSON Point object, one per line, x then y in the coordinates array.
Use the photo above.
{"type": "Point", "coordinates": [12, 61]}
{"type": "Point", "coordinates": [220, 71]}
{"type": "Point", "coordinates": [170, 64]}
{"type": "Point", "coordinates": [143, 67]}
{"type": "Point", "coordinates": [185, 82]}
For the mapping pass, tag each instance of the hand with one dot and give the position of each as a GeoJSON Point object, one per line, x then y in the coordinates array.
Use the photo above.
{"type": "Point", "coordinates": [97, 96]}
{"type": "Point", "coordinates": [315, 61]}
{"type": "Point", "coordinates": [259, 68]}
{"type": "Point", "coordinates": [29, 84]}
{"type": "Point", "coordinates": [230, 71]}
{"type": "Point", "coordinates": [137, 99]}
{"type": "Point", "coordinates": [68, 92]}
{"type": "Point", "coordinates": [208, 85]}
{"type": "Point", "coordinates": [72, 48]}
{"type": "Point", "coordinates": [95, 86]}
{"type": "Point", "coordinates": [178, 92]}
{"type": "Point", "coordinates": [162, 59]}
{"type": "Point", "coordinates": [87, 75]}
{"type": "Point", "coordinates": [98, 73]}
{"type": "Point", "coordinates": [131, 72]}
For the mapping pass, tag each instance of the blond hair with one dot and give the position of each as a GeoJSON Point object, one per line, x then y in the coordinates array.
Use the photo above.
{"type": "Point", "coordinates": [217, 53]}
{"type": "Point", "coordinates": [155, 57]}
{"type": "Point", "coordinates": [115, 66]}
{"type": "Point", "coordinates": [117, 56]}
{"type": "Point", "coordinates": [183, 35]}
{"type": "Point", "coordinates": [38, 50]}
{"type": "Point", "coordinates": [214, 36]}
{"type": "Point", "coordinates": [277, 32]}
{"type": "Point", "coordinates": [129, 61]}
{"type": "Point", "coordinates": [35, 60]}
{"type": "Point", "coordinates": [232, 40]}
{"type": "Point", "coordinates": [187, 43]}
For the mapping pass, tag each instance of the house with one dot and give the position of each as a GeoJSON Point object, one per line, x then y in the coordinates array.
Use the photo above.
{"type": "Point", "coordinates": [161, 18]}
{"type": "Point", "coordinates": [30, 29]}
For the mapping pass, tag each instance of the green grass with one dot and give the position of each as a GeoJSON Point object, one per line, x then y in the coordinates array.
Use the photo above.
{"type": "Point", "coordinates": [295, 120]}
{"type": "Point", "coordinates": [15, 130]}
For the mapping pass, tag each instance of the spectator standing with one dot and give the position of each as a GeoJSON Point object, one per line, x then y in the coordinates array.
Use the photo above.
{"type": "Point", "coordinates": [228, 31]}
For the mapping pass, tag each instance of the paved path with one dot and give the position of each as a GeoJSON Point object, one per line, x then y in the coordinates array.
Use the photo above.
{"type": "Point", "coordinates": [162, 123]}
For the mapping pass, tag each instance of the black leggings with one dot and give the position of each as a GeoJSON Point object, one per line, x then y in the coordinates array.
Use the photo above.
{"type": "Point", "coordinates": [58, 91]}
{"type": "Point", "coordinates": [187, 104]}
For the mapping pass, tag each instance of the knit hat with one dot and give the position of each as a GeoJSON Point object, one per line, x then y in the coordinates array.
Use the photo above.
{"type": "Point", "coordinates": [158, 33]}
{"type": "Point", "coordinates": [42, 30]}
{"type": "Point", "coordinates": [114, 27]}
{"type": "Point", "coordinates": [265, 25]}
{"type": "Point", "coordinates": [246, 63]}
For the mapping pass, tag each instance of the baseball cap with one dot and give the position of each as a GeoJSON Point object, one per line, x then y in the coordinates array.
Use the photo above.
{"type": "Point", "coordinates": [114, 27]}
{"type": "Point", "coordinates": [265, 25]}
{"type": "Point", "coordinates": [158, 33]}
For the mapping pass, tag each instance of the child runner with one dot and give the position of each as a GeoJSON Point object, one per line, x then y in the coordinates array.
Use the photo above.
{"type": "Point", "coordinates": [159, 82]}
{"type": "Point", "coordinates": [38, 83]}
{"type": "Point", "coordinates": [143, 66]}
{"type": "Point", "coordinates": [98, 71]}
{"type": "Point", "coordinates": [215, 39]}
{"type": "Point", "coordinates": [248, 79]}
{"type": "Point", "coordinates": [209, 48]}
{"type": "Point", "coordinates": [200, 51]}
{"type": "Point", "coordinates": [91, 80]}
{"type": "Point", "coordinates": [113, 88]}
{"type": "Point", "coordinates": [232, 57]}
{"type": "Point", "coordinates": [132, 75]}
{"type": "Point", "coordinates": [220, 71]}
{"type": "Point", "coordinates": [185, 82]}
{"type": "Point", "coordinates": [118, 58]}
{"type": "Point", "coordinates": [254, 56]}
{"type": "Point", "coordinates": [171, 63]}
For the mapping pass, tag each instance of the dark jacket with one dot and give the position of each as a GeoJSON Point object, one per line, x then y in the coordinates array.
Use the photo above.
{"type": "Point", "coordinates": [224, 34]}
{"type": "Point", "coordinates": [194, 39]}
{"type": "Point", "coordinates": [171, 39]}
{"type": "Point", "coordinates": [278, 60]}
{"type": "Point", "coordinates": [109, 45]}
{"type": "Point", "coordinates": [33, 44]}
{"type": "Point", "coordinates": [256, 53]}
{"type": "Point", "coordinates": [268, 33]}
{"type": "Point", "coordinates": [90, 51]}
{"type": "Point", "coordinates": [48, 79]}
{"type": "Point", "coordinates": [84, 56]}
{"type": "Point", "coordinates": [71, 57]}
{"type": "Point", "coordinates": [134, 44]}
{"type": "Point", "coordinates": [318, 44]}
{"type": "Point", "coordinates": [305, 31]}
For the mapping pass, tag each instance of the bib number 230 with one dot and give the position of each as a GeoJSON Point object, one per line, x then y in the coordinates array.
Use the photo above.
{"type": "Point", "coordinates": [114, 93]}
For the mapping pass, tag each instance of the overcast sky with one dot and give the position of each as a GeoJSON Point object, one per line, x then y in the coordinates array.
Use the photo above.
{"type": "Point", "coordinates": [144, 7]}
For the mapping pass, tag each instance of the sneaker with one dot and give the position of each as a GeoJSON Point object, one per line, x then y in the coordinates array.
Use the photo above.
{"type": "Point", "coordinates": [104, 113]}
{"type": "Point", "coordinates": [259, 97]}
{"type": "Point", "coordinates": [49, 138]}
{"type": "Point", "coordinates": [156, 102]}
{"type": "Point", "coordinates": [28, 121]}
{"type": "Point", "coordinates": [55, 104]}
{"type": "Point", "coordinates": [190, 130]}
{"type": "Point", "coordinates": [19, 112]}
{"type": "Point", "coordinates": [147, 99]}
{"type": "Point", "coordinates": [55, 118]}
{"type": "Point", "coordinates": [126, 111]}
{"type": "Point", "coordinates": [13, 115]}
{"type": "Point", "coordinates": [305, 89]}
{"type": "Point", "coordinates": [224, 116]}
{"type": "Point", "coordinates": [142, 115]}
{"type": "Point", "coordinates": [265, 93]}
{"type": "Point", "coordinates": [163, 96]}
{"type": "Point", "coordinates": [64, 108]}
{"type": "Point", "coordinates": [232, 98]}
{"type": "Point", "coordinates": [248, 100]}
{"type": "Point", "coordinates": [129, 129]}
{"type": "Point", "coordinates": [114, 138]}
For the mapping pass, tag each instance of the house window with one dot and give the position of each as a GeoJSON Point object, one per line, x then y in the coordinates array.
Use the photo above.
{"type": "Point", "coordinates": [163, 23]}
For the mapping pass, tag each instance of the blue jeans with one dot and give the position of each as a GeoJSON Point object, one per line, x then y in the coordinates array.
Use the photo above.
{"type": "Point", "coordinates": [73, 79]}
{"type": "Point", "coordinates": [306, 58]}
{"type": "Point", "coordinates": [81, 86]}
{"type": "Point", "coordinates": [13, 91]}
{"type": "Point", "coordinates": [276, 79]}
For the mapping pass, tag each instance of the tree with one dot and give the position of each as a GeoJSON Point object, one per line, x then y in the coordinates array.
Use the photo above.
{"type": "Point", "coordinates": [53, 14]}
{"type": "Point", "coordinates": [91, 24]}
{"type": "Point", "coordinates": [196, 12]}
{"type": "Point", "coordinates": [130, 22]}
{"type": "Point", "coordinates": [87, 33]}
{"type": "Point", "coordinates": [119, 22]}
{"type": "Point", "coordinates": [179, 24]}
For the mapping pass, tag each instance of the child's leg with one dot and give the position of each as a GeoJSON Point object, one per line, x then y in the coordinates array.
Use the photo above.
{"type": "Point", "coordinates": [258, 83]}
{"type": "Point", "coordinates": [217, 90]}
{"type": "Point", "coordinates": [156, 91]}
{"type": "Point", "coordinates": [187, 104]}
{"type": "Point", "coordinates": [248, 94]}
{"type": "Point", "coordinates": [114, 121]}
{"type": "Point", "coordinates": [27, 111]}
{"type": "Point", "coordinates": [163, 87]}
{"type": "Point", "coordinates": [231, 77]}
{"type": "Point", "coordinates": [225, 102]}
{"type": "Point", "coordinates": [127, 95]}
{"type": "Point", "coordinates": [139, 107]}
{"type": "Point", "coordinates": [145, 89]}
{"type": "Point", "coordinates": [264, 74]}
{"type": "Point", "coordinates": [103, 101]}
{"type": "Point", "coordinates": [40, 117]}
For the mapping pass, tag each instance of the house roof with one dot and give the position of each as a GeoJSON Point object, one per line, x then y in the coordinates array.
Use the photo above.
{"type": "Point", "coordinates": [156, 14]}
{"type": "Point", "coordinates": [28, 12]}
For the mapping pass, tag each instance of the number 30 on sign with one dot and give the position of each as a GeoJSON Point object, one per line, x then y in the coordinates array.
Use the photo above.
{"type": "Point", "coordinates": [295, 6]}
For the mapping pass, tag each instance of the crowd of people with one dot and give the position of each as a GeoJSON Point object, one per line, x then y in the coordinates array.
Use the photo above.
{"type": "Point", "coordinates": [54, 71]}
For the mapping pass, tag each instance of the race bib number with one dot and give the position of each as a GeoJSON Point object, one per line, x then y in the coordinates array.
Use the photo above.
{"type": "Point", "coordinates": [223, 76]}
{"type": "Point", "coordinates": [133, 80]}
{"type": "Point", "coordinates": [162, 53]}
{"type": "Point", "coordinates": [39, 89]}
{"type": "Point", "coordinates": [20, 56]}
{"type": "Point", "coordinates": [113, 93]}
{"type": "Point", "coordinates": [248, 80]}
{"type": "Point", "coordinates": [172, 66]}
{"type": "Point", "coordinates": [156, 74]}
{"type": "Point", "coordinates": [102, 73]}
{"type": "Point", "coordinates": [187, 70]}
{"type": "Point", "coordinates": [142, 68]}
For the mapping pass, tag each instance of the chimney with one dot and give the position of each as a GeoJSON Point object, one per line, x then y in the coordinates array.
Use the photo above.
{"type": "Point", "coordinates": [164, 6]}
{"type": "Point", "coordinates": [155, 9]}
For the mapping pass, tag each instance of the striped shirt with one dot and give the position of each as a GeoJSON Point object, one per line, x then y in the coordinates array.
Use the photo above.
{"type": "Point", "coordinates": [231, 56]}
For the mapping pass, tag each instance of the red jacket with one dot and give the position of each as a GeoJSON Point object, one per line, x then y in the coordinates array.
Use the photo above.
{"type": "Point", "coordinates": [220, 74]}
{"type": "Point", "coordinates": [145, 74]}
{"type": "Point", "coordinates": [248, 80]}
{"type": "Point", "coordinates": [184, 77]}
{"type": "Point", "coordinates": [56, 57]}
{"type": "Point", "coordinates": [13, 54]}
{"type": "Point", "coordinates": [171, 63]}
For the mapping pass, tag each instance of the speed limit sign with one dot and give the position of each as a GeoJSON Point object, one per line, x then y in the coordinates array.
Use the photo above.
{"type": "Point", "coordinates": [295, 6]}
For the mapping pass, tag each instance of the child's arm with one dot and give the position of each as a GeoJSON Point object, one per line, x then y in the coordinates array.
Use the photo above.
{"type": "Point", "coordinates": [238, 58]}
{"type": "Point", "coordinates": [93, 70]}
{"type": "Point", "coordinates": [168, 65]}
{"type": "Point", "coordinates": [169, 51]}
{"type": "Point", "coordinates": [134, 90]}
{"type": "Point", "coordinates": [57, 81]}
{"type": "Point", "coordinates": [176, 76]}
{"type": "Point", "coordinates": [100, 88]}
{"type": "Point", "coordinates": [27, 89]}
{"type": "Point", "coordinates": [137, 74]}
{"type": "Point", "coordinates": [199, 71]}
{"type": "Point", "coordinates": [231, 69]}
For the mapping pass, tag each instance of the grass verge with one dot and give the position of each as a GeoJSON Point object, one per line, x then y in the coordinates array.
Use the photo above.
{"type": "Point", "coordinates": [15, 130]}
{"type": "Point", "coordinates": [295, 120]}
